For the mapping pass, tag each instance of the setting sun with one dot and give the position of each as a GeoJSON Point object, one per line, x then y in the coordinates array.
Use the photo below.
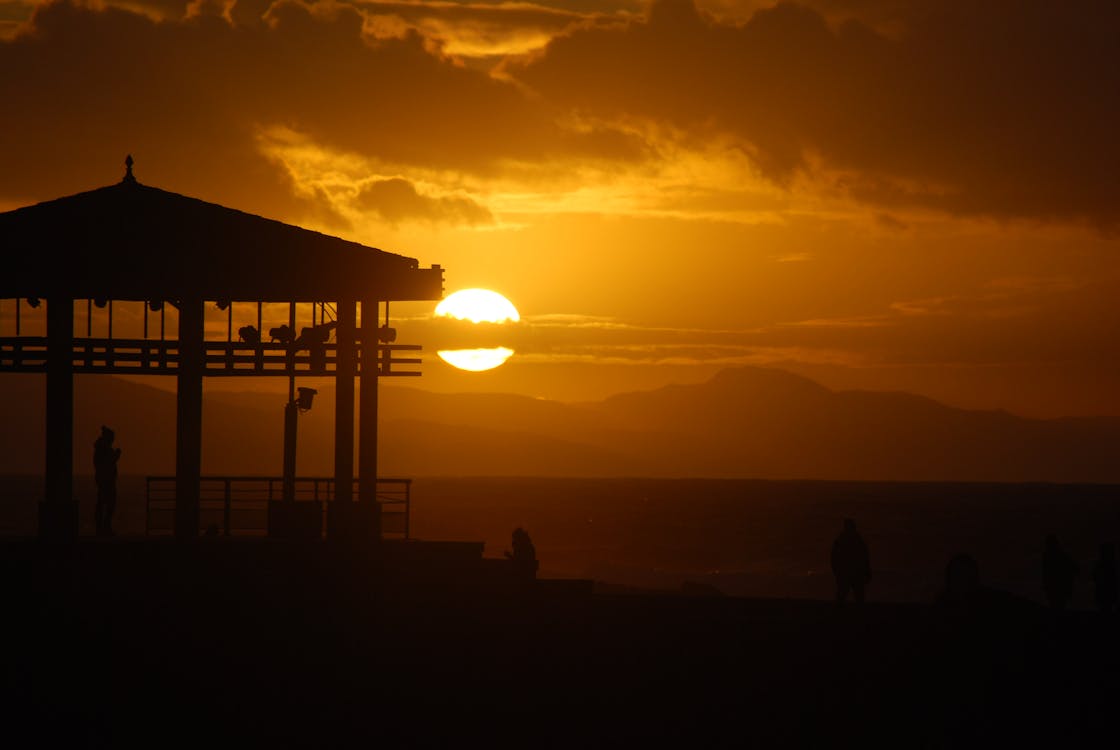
{"type": "Point", "coordinates": [478, 306]}
{"type": "Point", "coordinates": [476, 360]}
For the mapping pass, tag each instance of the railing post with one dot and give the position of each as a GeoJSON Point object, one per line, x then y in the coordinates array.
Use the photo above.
{"type": "Point", "coordinates": [367, 411]}
{"type": "Point", "coordinates": [228, 509]}
{"type": "Point", "coordinates": [109, 351]}
{"type": "Point", "coordinates": [344, 368]}
{"type": "Point", "coordinates": [188, 420]}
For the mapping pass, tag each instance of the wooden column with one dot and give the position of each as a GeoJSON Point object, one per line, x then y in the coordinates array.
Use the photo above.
{"type": "Point", "coordinates": [58, 515]}
{"type": "Point", "coordinates": [345, 365]}
{"type": "Point", "coordinates": [367, 409]}
{"type": "Point", "coordinates": [188, 434]}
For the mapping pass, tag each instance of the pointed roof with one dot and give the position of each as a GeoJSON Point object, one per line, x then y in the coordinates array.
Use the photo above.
{"type": "Point", "coordinates": [132, 241]}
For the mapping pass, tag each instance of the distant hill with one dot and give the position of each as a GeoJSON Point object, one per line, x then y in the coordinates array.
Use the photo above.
{"type": "Point", "coordinates": [744, 422]}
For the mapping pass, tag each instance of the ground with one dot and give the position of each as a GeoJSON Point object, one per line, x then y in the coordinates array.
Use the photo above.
{"type": "Point", "coordinates": [114, 643]}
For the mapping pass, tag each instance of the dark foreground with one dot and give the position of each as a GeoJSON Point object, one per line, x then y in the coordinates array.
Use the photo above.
{"type": "Point", "coordinates": [218, 642]}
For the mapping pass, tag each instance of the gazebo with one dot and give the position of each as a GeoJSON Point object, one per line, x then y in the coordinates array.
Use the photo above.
{"type": "Point", "coordinates": [131, 244]}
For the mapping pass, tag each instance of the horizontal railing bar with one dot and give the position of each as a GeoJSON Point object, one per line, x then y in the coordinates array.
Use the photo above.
{"type": "Point", "coordinates": [26, 342]}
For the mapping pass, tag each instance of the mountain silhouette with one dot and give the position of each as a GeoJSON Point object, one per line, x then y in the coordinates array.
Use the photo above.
{"type": "Point", "coordinates": [743, 422]}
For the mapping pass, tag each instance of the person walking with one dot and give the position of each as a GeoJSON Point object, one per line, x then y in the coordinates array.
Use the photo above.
{"type": "Point", "coordinates": [851, 564]}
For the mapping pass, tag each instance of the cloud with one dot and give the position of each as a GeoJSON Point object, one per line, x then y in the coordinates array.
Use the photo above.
{"type": "Point", "coordinates": [476, 29]}
{"type": "Point", "coordinates": [83, 86]}
{"type": "Point", "coordinates": [737, 112]}
{"type": "Point", "coordinates": [1003, 109]}
{"type": "Point", "coordinates": [397, 200]}
{"type": "Point", "coordinates": [999, 109]}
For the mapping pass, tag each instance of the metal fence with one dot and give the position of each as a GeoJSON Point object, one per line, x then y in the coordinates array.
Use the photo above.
{"type": "Point", "coordinates": [238, 505]}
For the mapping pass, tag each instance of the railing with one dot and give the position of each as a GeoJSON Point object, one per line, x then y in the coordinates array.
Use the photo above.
{"type": "Point", "coordinates": [238, 505]}
{"type": "Point", "coordinates": [222, 358]}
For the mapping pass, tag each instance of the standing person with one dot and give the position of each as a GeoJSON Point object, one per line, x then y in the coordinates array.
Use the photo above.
{"type": "Point", "coordinates": [105, 458]}
{"type": "Point", "coordinates": [524, 554]}
{"type": "Point", "coordinates": [1104, 579]}
{"type": "Point", "coordinates": [1058, 572]}
{"type": "Point", "coordinates": [851, 564]}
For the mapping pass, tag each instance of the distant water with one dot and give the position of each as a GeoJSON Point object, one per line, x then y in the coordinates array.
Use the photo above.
{"type": "Point", "coordinates": [744, 537]}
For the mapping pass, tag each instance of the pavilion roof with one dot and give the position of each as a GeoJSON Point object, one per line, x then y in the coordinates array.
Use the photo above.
{"type": "Point", "coordinates": [132, 241]}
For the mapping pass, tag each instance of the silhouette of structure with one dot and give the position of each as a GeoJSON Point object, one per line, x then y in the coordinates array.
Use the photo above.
{"type": "Point", "coordinates": [131, 244]}
{"type": "Point", "coordinates": [105, 458]}
{"type": "Point", "coordinates": [851, 564]}
{"type": "Point", "coordinates": [1058, 573]}
{"type": "Point", "coordinates": [1104, 579]}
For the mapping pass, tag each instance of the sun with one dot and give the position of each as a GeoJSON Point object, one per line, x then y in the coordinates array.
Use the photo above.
{"type": "Point", "coordinates": [478, 306]}
{"type": "Point", "coordinates": [476, 360]}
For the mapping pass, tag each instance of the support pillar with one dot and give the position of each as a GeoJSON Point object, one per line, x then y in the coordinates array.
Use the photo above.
{"type": "Point", "coordinates": [367, 409]}
{"type": "Point", "coordinates": [188, 434]}
{"type": "Point", "coordinates": [359, 523]}
{"type": "Point", "coordinates": [345, 362]}
{"type": "Point", "coordinates": [291, 426]}
{"type": "Point", "coordinates": [58, 513]}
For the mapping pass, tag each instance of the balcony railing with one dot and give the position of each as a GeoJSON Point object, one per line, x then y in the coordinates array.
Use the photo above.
{"type": "Point", "coordinates": [238, 505]}
{"type": "Point", "coordinates": [222, 358]}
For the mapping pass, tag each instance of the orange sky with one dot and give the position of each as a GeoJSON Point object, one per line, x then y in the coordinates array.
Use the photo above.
{"type": "Point", "coordinates": [880, 194]}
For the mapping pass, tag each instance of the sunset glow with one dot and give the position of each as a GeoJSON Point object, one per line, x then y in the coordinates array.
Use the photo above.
{"type": "Point", "coordinates": [477, 306]}
{"type": "Point", "coordinates": [865, 194]}
{"type": "Point", "coordinates": [448, 373]}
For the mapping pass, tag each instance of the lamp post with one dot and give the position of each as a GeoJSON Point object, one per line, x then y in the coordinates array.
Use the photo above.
{"type": "Point", "coordinates": [295, 406]}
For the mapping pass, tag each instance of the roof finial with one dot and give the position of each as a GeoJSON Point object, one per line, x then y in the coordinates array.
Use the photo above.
{"type": "Point", "coordinates": [128, 170]}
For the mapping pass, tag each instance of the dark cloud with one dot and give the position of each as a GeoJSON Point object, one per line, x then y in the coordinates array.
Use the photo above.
{"type": "Point", "coordinates": [999, 108]}
{"type": "Point", "coordinates": [83, 87]}
{"type": "Point", "coordinates": [397, 200]}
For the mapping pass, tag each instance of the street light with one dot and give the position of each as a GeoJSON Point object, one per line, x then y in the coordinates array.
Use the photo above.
{"type": "Point", "coordinates": [295, 406]}
{"type": "Point", "coordinates": [305, 397]}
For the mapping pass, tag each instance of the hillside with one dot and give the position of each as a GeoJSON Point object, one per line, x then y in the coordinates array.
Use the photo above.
{"type": "Point", "coordinates": [744, 422]}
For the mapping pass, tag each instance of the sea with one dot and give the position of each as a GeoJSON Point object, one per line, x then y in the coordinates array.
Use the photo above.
{"type": "Point", "coordinates": [752, 538]}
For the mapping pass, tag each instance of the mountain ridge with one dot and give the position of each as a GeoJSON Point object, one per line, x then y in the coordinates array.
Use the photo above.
{"type": "Point", "coordinates": [745, 422]}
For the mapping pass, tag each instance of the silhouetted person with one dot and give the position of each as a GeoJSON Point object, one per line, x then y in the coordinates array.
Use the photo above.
{"type": "Point", "coordinates": [105, 458]}
{"type": "Point", "coordinates": [1058, 572]}
{"type": "Point", "coordinates": [524, 554]}
{"type": "Point", "coordinates": [962, 582]}
{"type": "Point", "coordinates": [1104, 579]}
{"type": "Point", "coordinates": [850, 564]}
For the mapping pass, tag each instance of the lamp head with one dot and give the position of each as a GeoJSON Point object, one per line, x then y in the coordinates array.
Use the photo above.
{"type": "Point", "coordinates": [305, 397]}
